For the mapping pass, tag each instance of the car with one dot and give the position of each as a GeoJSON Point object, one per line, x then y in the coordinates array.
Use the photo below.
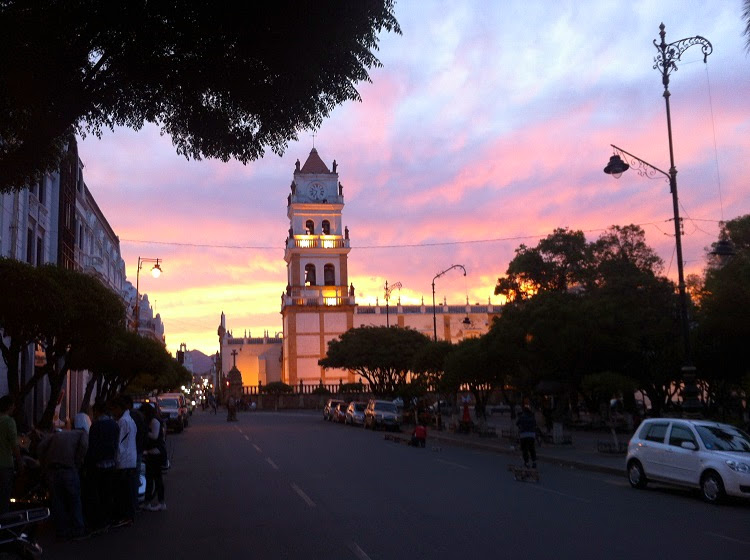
{"type": "Point", "coordinates": [339, 413]}
{"type": "Point", "coordinates": [382, 414]}
{"type": "Point", "coordinates": [328, 408]}
{"type": "Point", "coordinates": [355, 413]}
{"type": "Point", "coordinates": [174, 411]}
{"type": "Point", "coordinates": [702, 454]}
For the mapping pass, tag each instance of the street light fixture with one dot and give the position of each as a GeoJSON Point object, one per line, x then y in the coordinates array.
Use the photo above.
{"type": "Point", "coordinates": [155, 272]}
{"type": "Point", "coordinates": [388, 290]}
{"type": "Point", "coordinates": [665, 62]}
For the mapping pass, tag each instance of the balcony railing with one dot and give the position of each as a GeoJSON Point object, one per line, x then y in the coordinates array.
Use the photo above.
{"type": "Point", "coordinates": [317, 242]}
{"type": "Point", "coordinates": [318, 296]}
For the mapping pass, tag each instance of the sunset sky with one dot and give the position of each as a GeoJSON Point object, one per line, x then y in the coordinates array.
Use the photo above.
{"type": "Point", "coordinates": [488, 126]}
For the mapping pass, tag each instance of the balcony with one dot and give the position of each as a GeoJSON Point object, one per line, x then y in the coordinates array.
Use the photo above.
{"type": "Point", "coordinates": [317, 242]}
{"type": "Point", "coordinates": [314, 296]}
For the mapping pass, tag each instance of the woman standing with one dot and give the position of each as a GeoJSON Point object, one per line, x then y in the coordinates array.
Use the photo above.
{"type": "Point", "coordinates": [154, 455]}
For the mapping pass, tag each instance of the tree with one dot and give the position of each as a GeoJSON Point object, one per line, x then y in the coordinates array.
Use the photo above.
{"type": "Point", "coordinates": [746, 17]}
{"type": "Point", "coordinates": [382, 355]}
{"type": "Point", "coordinates": [223, 83]}
{"type": "Point", "coordinates": [557, 263]}
{"type": "Point", "coordinates": [429, 362]}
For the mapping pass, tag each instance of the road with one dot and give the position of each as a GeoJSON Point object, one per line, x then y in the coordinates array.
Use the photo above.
{"type": "Point", "coordinates": [289, 486]}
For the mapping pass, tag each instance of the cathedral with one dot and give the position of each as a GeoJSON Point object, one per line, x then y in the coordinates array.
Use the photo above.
{"type": "Point", "coordinates": [318, 303]}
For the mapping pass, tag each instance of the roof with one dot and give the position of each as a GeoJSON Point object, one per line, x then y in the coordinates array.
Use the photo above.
{"type": "Point", "coordinates": [314, 164]}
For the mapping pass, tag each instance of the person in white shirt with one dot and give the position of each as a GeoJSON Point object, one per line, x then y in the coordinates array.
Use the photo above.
{"type": "Point", "coordinates": [126, 494]}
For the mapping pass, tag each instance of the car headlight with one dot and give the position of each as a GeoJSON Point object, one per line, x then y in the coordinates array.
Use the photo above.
{"type": "Point", "coordinates": [738, 467]}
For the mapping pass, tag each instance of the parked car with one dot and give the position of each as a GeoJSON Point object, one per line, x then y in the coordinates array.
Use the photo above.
{"type": "Point", "coordinates": [328, 408]}
{"type": "Point", "coordinates": [174, 411]}
{"type": "Point", "coordinates": [355, 413]}
{"type": "Point", "coordinates": [339, 413]}
{"type": "Point", "coordinates": [382, 414]}
{"type": "Point", "coordinates": [710, 456]}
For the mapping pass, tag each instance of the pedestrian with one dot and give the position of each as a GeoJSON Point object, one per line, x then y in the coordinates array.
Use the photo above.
{"type": "Point", "coordinates": [126, 477]}
{"type": "Point", "coordinates": [419, 436]}
{"type": "Point", "coordinates": [155, 455]}
{"type": "Point", "coordinates": [527, 435]}
{"type": "Point", "coordinates": [9, 452]}
{"type": "Point", "coordinates": [61, 454]}
{"type": "Point", "coordinates": [100, 468]}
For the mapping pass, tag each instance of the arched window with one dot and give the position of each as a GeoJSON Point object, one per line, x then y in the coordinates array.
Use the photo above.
{"type": "Point", "coordinates": [310, 227]}
{"type": "Point", "coordinates": [326, 227]}
{"type": "Point", "coordinates": [310, 275]}
{"type": "Point", "coordinates": [329, 275]}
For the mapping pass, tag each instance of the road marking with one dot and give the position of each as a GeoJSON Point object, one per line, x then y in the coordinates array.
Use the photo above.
{"type": "Point", "coordinates": [724, 537]}
{"type": "Point", "coordinates": [270, 462]}
{"type": "Point", "coordinates": [358, 552]}
{"type": "Point", "coordinates": [302, 495]}
{"type": "Point", "coordinates": [453, 464]}
{"type": "Point", "coordinates": [258, 449]}
{"type": "Point", "coordinates": [571, 496]}
{"type": "Point", "coordinates": [246, 437]}
{"type": "Point", "coordinates": [239, 430]}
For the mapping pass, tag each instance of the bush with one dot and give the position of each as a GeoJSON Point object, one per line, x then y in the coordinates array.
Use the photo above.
{"type": "Point", "coordinates": [277, 388]}
{"type": "Point", "coordinates": [320, 391]}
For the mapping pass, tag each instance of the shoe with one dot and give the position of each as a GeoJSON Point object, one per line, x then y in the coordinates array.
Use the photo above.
{"type": "Point", "coordinates": [162, 506]}
{"type": "Point", "coordinates": [83, 536]}
{"type": "Point", "coordinates": [151, 507]}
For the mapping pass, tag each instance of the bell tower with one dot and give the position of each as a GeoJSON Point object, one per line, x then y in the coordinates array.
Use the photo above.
{"type": "Point", "coordinates": [318, 303]}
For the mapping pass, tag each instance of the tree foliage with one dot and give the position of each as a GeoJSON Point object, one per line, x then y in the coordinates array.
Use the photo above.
{"type": "Point", "coordinates": [223, 83]}
{"type": "Point", "coordinates": [381, 355]}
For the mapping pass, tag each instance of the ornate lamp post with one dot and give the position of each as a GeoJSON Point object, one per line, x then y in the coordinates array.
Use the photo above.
{"type": "Point", "coordinates": [155, 272]}
{"type": "Point", "coordinates": [665, 62]}
{"type": "Point", "coordinates": [434, 328]}
{"type": "Point", "coordinates": [388, 290]}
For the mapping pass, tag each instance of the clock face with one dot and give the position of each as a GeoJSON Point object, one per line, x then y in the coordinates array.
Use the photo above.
{"type": "Point", "coordinates": [316, 191]}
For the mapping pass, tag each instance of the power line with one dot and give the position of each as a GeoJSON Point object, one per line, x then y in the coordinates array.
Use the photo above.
{"type": "Point", "coordinates": [398, 245]}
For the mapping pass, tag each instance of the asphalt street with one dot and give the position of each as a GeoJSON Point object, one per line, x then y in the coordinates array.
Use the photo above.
{"type": "Point", "coordinates": [289, 485]}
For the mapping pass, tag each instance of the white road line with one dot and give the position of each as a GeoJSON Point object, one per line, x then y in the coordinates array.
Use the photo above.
{"type": "Point", "coordinates": [270, 462]}
{"type": "Point", "coordinates": [358, 552]}
{"type": "Point", "coordinates": [302, 495]}
{"type": "Point", "coordinates": [258, 449]}
{"type": "Point", "coordinates": [247, 438]}
{"type": "Point", "coordinates": [239, 430]}
{"type": "Point", "coordinates": [571, 496]}
{"type": "Point", "coordinates": [724, 537]}
{"type": "Point", "coordinates": [452, 464]}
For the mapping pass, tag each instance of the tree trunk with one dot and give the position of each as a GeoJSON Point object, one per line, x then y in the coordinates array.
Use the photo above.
{"type": "Point", "coordinates": [89, 390]}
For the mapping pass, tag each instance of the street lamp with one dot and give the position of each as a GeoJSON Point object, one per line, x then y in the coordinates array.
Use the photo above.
{"type": "Point", "coordinates": [434, 329]}
{"type": "Point", "coordinates": [388, 291]}
{"type": "Point", "coordinates": [155, 272]}
{"type": "Point", "coordinates": [665, 62]}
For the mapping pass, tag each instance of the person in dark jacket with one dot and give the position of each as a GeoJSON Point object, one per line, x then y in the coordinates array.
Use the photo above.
{"type": "Point", "coordinates": [527, 435]}
{"type": "Point", "coordinates": [100, 468]}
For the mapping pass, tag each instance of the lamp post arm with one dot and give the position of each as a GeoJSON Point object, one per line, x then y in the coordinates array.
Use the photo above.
{"type": "Point", "coordinates": [667, 56]}
{"type": "Point", "coordinates": [644, 168]}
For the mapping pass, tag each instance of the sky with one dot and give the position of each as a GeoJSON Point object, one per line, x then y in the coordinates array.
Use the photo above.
{"type": "Point", "coordinates": [487, 127]}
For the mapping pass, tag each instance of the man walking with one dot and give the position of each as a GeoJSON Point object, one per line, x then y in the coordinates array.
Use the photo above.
{"type": "Point", "coordinates": [9, 451]}
{"type": "Point", "coordinates": [100, 467]}
{"type": "Point", "coordinates": [527, 434]}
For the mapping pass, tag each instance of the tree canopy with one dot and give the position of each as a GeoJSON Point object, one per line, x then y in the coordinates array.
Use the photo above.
{"type": "Point", "coordinates": [222, 82]}
{"type": "Point", "coordinates": [381, 355]}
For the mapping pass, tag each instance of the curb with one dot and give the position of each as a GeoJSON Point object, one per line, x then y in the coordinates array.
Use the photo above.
{"type": "Point", "coordinates": [541, 458]}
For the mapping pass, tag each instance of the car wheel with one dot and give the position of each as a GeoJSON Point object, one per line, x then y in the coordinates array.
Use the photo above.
{"type": "Point", "coordinates": [712, 487]}
{"type": "Point", "coordinates": [636, 476]}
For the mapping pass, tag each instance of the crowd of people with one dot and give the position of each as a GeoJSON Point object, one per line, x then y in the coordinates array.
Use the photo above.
{"type": "Point", "coordinates": [91, 469]}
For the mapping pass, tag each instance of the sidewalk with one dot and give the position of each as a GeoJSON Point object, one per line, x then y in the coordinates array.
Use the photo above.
{"type": "Point", "coordinates": [581, 454]}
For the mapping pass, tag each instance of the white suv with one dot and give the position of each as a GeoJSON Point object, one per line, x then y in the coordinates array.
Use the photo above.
{"type": "Point", "coordinates": [694, 453]}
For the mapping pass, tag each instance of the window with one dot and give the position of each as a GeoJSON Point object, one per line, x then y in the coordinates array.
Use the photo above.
{"type": "Point", "coordinates": [326, 226]}
{"type": "Point", "coordinates": [40, 249]}
{"type": "Point", "coordinates": [30, 246]}
{"type": "Point", "coordinates": [42, 190]}
{"type": "Point", "coordinates": [310, 227]}
{"type": "Point", "coordinates": [656, 432]}
{"type": "Point", "coordinates": [329, 275]}
{"type": "Point", "coordinates": [681, 434]}
{"type": "Point", "coordinates": [310, 275]}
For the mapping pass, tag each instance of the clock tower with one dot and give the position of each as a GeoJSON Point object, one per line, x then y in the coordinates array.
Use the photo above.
{"type": "Point", "coordinates": [318, 304]}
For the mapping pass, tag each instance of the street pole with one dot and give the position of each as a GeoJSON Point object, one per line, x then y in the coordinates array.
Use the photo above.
{"type": "Point", "coordinates": [155, 272]}
{"type": "Point", "coordinates": [388, 291]}
{"type": "Point", "coordinates": [665, 63]}
{"type": "Point", "coordinates": [434, 329]}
